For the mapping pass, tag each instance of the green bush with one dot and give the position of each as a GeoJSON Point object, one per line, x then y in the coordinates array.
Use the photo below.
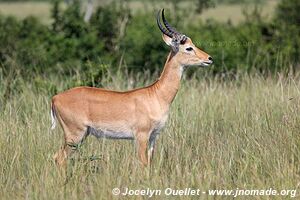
{"type": "Point", "coordinates": [71, 45]}
{"type": "Point", "coordinates": [143, 45]}
{"type": "Point", "coordinates": [287, 20]}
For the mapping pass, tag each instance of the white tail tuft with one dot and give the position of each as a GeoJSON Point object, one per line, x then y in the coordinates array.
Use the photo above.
{"type": "Point", "coordinates": [53, 118]}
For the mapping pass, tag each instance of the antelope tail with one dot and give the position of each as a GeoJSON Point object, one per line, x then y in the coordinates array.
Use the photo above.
{"type": "Point", "coordinates": [53, 117]}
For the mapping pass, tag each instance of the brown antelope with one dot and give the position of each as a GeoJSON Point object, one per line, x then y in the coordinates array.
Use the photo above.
{"type": "Point", "coordinates": [137, 114]}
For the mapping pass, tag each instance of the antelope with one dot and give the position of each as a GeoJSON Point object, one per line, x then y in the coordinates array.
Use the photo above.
{"type": "Point", "coordinates": [137, 114]}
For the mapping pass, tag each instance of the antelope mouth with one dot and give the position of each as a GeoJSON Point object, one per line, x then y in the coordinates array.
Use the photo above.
{"type": "Point", "coordinates": [206, 63]}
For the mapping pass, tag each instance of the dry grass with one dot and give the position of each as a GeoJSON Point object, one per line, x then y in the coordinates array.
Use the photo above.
{"type": "Point", "coordinates": [234, 13]}
{"type": "Point", "coordinates": [24, 9]}
{"type": "Point", "coordinates": [222, 13]}
{"type": "Point", "coordinates": [220, 135]}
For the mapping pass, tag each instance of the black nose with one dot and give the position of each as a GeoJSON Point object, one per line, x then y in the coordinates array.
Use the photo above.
{"type": "Point", "coordinates": [209, 58]}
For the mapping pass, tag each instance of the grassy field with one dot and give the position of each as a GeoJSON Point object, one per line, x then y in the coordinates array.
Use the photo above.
{"type": "Point", "coordinates": [222, 13]}
{"type": "Point", "coordinates": [24, 9]}
{"type": "Point", "coordinates": [234, 13]}
{"type": "Point", "coordinates": [220, 135]}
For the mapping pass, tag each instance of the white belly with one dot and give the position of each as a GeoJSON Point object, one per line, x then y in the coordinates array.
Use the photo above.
{"type": "Point", "coordinates": [110, 134]}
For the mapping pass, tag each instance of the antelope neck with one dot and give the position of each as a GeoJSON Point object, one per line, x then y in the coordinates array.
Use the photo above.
{"type": "Point", "coordinates": [168, 84]}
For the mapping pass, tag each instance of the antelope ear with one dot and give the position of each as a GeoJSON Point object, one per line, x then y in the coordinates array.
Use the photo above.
{"type": "Point", "coordinates": [170, 42]}
{"type": "Point", "coordinates": [167, 40]}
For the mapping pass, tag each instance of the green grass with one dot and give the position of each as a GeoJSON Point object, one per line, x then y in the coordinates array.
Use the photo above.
{"type": "Point", "coordinates": [220, 135]}
{"type": "Point", "coordinates": [222, 13]}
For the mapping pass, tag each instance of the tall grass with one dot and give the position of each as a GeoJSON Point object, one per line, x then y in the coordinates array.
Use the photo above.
{"type": "Point", "coordinates": [220, 135]}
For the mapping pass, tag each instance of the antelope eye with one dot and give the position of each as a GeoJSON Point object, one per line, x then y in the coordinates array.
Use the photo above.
{"type": "Point", "coordinates": [189, 49]}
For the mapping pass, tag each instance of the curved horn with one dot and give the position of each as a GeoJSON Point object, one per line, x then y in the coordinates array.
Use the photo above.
{"type": "Point", "coordinates": [168, 26]}
{"type": "Point", "coordinates": [163, 30]}
{"type": "Point", "coordinates": [182, 38]}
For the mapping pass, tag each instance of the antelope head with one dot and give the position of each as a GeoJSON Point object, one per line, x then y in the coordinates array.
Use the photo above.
{"type": "Point", "coordinates": [182, 46]}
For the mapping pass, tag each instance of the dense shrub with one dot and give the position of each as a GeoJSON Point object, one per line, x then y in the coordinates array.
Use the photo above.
{"type": "Point", "coordinates": [70, 45]}
{"type": "Point", "coordinates": [143, 45]}
{"type": "Point", "coordinates": [287, 20]}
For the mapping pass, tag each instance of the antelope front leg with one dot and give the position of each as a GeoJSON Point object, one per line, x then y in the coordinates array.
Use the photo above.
{"type": "Point", "coordinates": [142, 145]}
{"type": "Point", "coordinates": [72, 142]}
{"type": "Point", "coordinates": [61, 156]}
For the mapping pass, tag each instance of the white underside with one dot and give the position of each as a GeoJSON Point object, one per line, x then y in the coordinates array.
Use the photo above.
{"type": "Point", "coordinates": [110, 134]}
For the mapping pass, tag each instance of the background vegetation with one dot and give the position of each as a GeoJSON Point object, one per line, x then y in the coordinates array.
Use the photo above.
{"type": "Point", "coordinates": [233, 125]}
{"type": "Point", "coordinates": [69, 45]}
